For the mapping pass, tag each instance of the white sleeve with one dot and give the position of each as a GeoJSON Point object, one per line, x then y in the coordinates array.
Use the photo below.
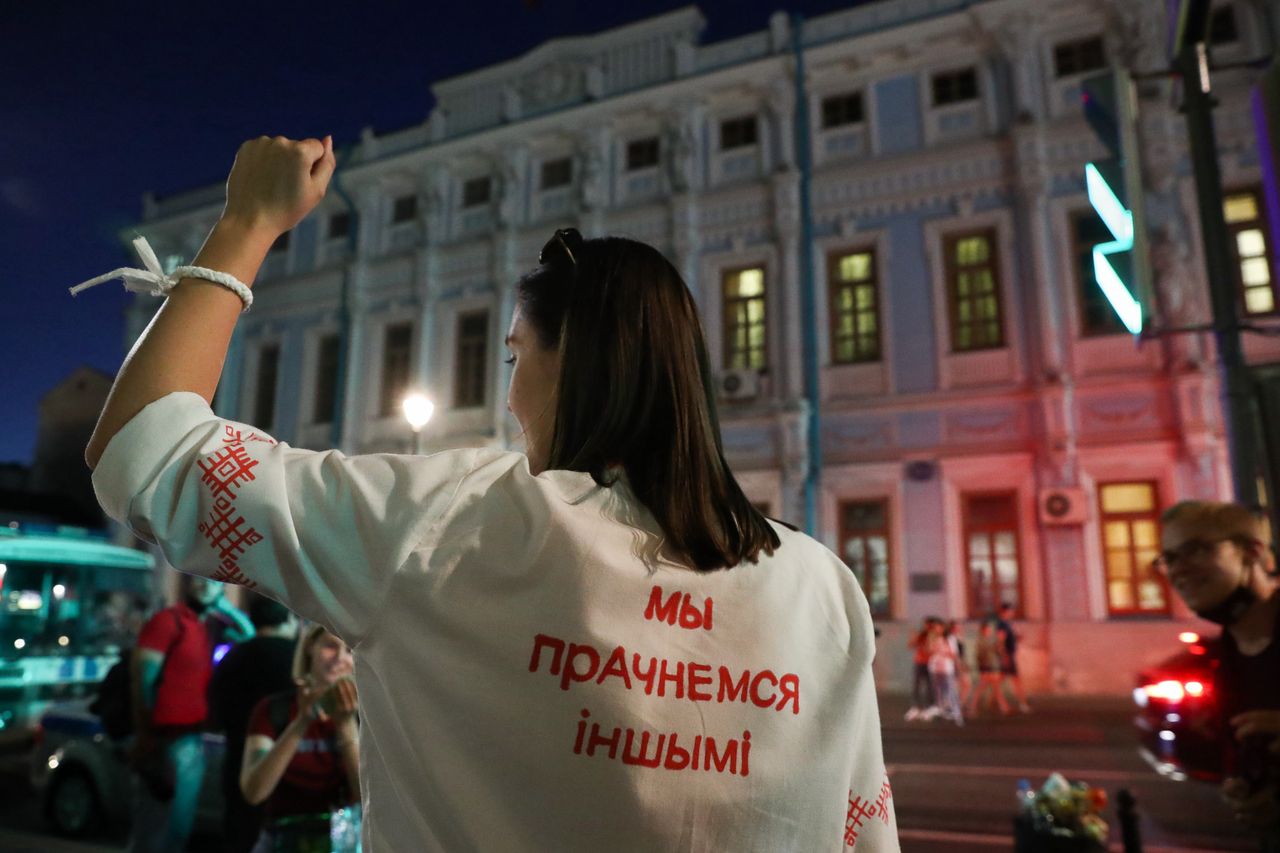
{"type": "Point", "coordinates": [319, 531]}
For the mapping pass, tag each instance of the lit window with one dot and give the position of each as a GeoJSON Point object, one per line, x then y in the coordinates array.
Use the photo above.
{"type": "Point", "coordinates": [1248, 230]}
{"type": "Point", "coordinates": [973, 285]}
{"type": "Point", "coordinates": [855, 322]}
{"type": "Point", "coordinates": [744, 319]}
{"type": "Point", "coordinates": [1130, 544]}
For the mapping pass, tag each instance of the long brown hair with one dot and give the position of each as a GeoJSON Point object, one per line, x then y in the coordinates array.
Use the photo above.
{"type": "Point", "coordinates": [635, 390]}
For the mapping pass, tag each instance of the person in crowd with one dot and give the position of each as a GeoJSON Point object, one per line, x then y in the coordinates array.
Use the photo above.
{"type": "Point", "coordinates": [989, 656]}
{"type": "Point", "coordinates": [1218, 559]}
{"type": "Point", "coordinates": [301, 754]}
{"type": "Point", "coordinates": [943, 652]}
{"type": "Point", "coordinates": [598, 643]}
{"type": "Point", "coordinates": [1010, 678]}
{"type": "Point", "coordinates": [171, 668]}
{"type": "Point", "coordinates": [964, 682]}
{"type": "Point", "coordinates": [250, 671]}
{"type": "Point", "coordinates": [923, 702]}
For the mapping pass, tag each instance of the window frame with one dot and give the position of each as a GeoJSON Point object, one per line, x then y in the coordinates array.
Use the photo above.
{"type": "Point", "coordinates": [1074, 48]}
{"type": "Point", "coordinates": [834, 287]}
{"type": "Point", "coordinates": [1075, 220]}
{"type": "Point", "coordinates": [551, 168]}
{"type": "Point", "coordinates": [738, 122]}
{"type": "Point", "coordinates": [472, 198]}
{"type": "Point", "coordinates": [951, 272]}
{"type": "Point", "coordinates": [389, 403]}
{"type": "Point", "coordinates": [404, 209]}
{"type": "Point", "coordinates": [853, 96]}
{"type": "Point", "coordinates": [264, 392]}
{"type": "Point", "coordinates": [1261, 224]}
{"type": "Point", "coordinates": [885, 532]}
{"type": "Point", "coordinates": [634, 145]}
{"type": "Point", "coordinates": [951, 75]}
{"type": "Point", "coordinates": [969, 528]}
{"type": "Point", "coordinates": [727, 347]}
{"type": "Point", "coordinates": [319, 390]}
{"type": "Point", "coordinates": [343, 216]}
{"type": "Point", "coordinates": [1153, 515]}
{"type": "Point", "coordinates": [462, 346]}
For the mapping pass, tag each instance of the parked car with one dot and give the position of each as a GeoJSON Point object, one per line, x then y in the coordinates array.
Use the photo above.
{"type": "Point", "coordinates": [83, 781]}
{"type": "Point", "coordinates": [1179, 718]}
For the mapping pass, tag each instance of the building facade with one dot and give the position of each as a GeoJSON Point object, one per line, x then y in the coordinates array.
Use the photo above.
{"type": "Point", "coordinates": [988, 432]}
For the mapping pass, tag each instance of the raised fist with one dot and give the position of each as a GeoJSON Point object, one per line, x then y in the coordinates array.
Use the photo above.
{"type": "Point", "coordinates": [275, 182]}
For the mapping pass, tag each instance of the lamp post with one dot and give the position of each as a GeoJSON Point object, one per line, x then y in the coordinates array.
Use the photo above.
{"type": "Point", "coordinates": [417, 411]}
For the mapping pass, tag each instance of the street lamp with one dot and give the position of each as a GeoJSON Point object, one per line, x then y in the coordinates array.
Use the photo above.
{"type": "Point", "coordinates": [417, 411]}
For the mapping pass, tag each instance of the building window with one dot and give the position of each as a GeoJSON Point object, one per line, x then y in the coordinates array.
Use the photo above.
{"type": "Point", "coordinates": [1097, 317]}
{"type": "Point", "coordinates": [339, 225]}
{"type": "Point", "coordinates": [864, 545]}
{"type": "Point", "coordinates": [954, 87]}
{"type": "Point", "coordinates": [326, 388]}
{"type": "Point", "coordinates": [839, 110]}
{"type": "Point", "coordinates": [405, 209]}
{"type": "Point", "coordinates": [991, 552]}
{"type": "Point", "coordinates": [642, 153]}
{"type": "Point", "coordinates": [737, 132]}
{"type": "Point", "coordinates": [855, 321]}
{"type": "Point", "coordinates": [1248, 229]}
{"type": "Point", "coordinates": [1077, 57]}
{"type": "Point", "coordinates": [973, 288]}
{"type": "Point", "coordinates": [470, 360]}
{"type": "Point", "coordinates": [396, 346]}
{"type": "Point", "coordinates": [475, 192]}
{"type": "Point", "coordinates": [264, 397]}
{"type": "Point", "coordinates": [1222, 26]}
{"type": "Point", "coordinates": [556, 173]}
{"type": "Point", "coordinates": [281, 244]}
{"type": "Point", "coordinates": [1130, 545]}
{"type": "Point", "coordinates": [744, 319]}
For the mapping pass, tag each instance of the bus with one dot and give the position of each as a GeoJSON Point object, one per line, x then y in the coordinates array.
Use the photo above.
{"type": "Point", "coordinates": [70, 602]}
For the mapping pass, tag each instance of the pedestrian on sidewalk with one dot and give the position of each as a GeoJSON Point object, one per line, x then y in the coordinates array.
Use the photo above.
{"type": "Point", "coordinates": [539, 637]}
{"type": "Point", "coordinates": [1009, 675]}
{"type": "Point", "coordinates": [989, 656]}
{"type": "Point", "coordinates": [964, 682]}
{"type": "Point", "coordinates": [943, 653]}
{"type": "Point", "coordinates": [922, 698]}
{"type": "Point", "coordinates": [1218, 559]}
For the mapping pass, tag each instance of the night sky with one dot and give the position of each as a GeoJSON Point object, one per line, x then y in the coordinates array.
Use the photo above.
{"type": "Point", "coordinates": [101, 102]}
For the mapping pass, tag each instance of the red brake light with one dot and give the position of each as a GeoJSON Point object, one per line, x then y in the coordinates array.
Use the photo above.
{"type": "Point", "coordinates": [1169, 691]}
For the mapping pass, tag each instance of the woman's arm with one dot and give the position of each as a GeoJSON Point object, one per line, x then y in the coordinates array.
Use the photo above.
{"type": "Point", "coordinates": [266, 760]}
{"type": "Point", "coordinates": [273, 185]}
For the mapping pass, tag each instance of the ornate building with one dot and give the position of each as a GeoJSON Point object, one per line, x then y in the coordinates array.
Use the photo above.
{"type": "Point", "coordinates": [988, 431]}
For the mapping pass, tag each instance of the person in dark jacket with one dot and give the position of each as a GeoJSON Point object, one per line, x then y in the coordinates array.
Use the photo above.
{"type": "Point", "coordinates": [250, 671]}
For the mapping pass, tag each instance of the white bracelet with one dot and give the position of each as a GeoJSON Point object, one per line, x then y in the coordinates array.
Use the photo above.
{"type": "Point", "coordinates": [153, 280]}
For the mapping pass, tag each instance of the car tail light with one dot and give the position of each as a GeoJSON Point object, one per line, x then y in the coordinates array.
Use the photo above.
{"type": "Point", "coordinates": [1174, 691]}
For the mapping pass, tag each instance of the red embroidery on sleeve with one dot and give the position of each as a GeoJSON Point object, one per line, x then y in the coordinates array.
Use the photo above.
{"type": "Point", "coordinates": [236, 437]}
{"type": "Point", "coordinates": [230, 535]}
{"type": "Point", "coordinates": [227, 470]}
{"type": "Point", "coordinates": [859, 809]}
{"type": "Point", "coordinates": [882, 802]}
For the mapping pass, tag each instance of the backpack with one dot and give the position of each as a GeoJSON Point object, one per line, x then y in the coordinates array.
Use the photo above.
{"type": "Point", "coordinates": [114, 701]}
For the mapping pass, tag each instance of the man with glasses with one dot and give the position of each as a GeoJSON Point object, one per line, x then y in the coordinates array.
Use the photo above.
{"type": "Point", "coordinates": [1218, 559]}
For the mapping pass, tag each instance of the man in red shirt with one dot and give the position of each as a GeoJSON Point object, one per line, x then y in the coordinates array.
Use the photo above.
{"type": "Point", "coordinates": [172, 665]}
